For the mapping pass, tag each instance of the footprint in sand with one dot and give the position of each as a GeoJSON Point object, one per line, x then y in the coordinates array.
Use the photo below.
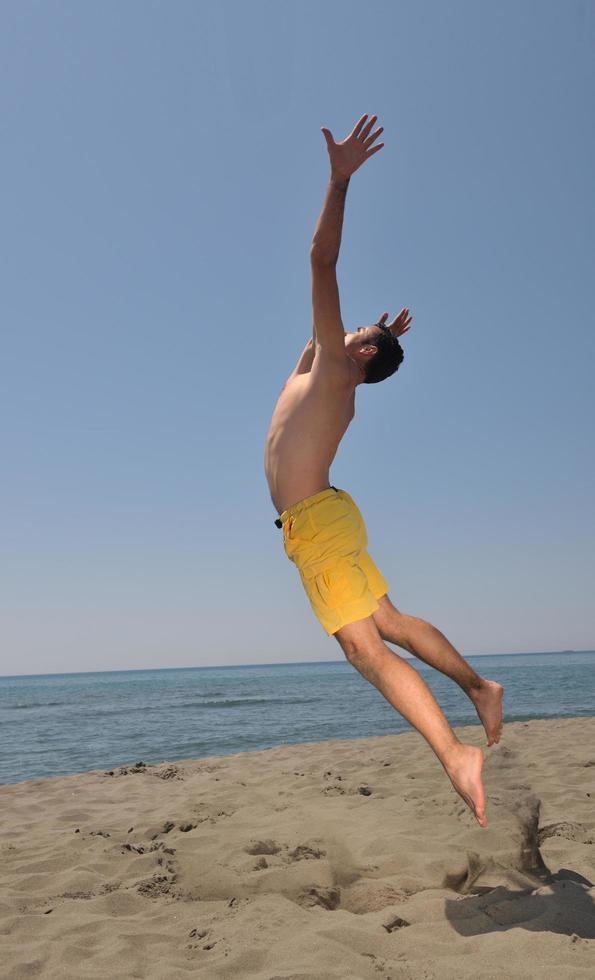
{"type": "Point", "coordinates": [171, 772]}
{"type": "Point", "coordinates": [152, 833]}
{"type": "Point", "coordinates": [156, 886]}
{"type": "Point", "coordinates": [303, 852]}
{"type": "Point", "coordinates": [263, 847]}
{"type": "Point", "coordinates": [367, 895]}
{"type": "Point", "coordinates": [318, 895]}
{"type": "Point", "coordinates": [199, 935]}
{"type": "Point", "coordinates": [125, 770]}
{"type": "Point", "coordinates": [333, 791]}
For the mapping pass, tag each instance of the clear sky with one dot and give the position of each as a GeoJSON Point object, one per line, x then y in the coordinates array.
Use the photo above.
{"type": "Point", "coordinates": [162, 172]}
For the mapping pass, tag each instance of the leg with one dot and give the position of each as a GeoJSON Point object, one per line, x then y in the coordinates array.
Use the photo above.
{"type": "Point", "coordinates": [409, 694]}
{"type": "Point", "coordinates": [430, 645]}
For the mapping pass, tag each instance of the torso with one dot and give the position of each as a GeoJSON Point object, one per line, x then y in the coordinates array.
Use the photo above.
{"type": "Point", "coordinates": [310, 418]}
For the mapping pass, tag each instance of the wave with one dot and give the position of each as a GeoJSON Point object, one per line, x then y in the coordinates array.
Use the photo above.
{"type": "Point", "coordinates": [98, 712]}
{"type": "Point", "coordinates": [234, 702]}
{"type": "Point", "coordinates": [32, 704]}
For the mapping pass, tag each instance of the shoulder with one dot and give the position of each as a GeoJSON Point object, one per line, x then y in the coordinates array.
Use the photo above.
{"type": "Point", "coordinates": [334, 366]}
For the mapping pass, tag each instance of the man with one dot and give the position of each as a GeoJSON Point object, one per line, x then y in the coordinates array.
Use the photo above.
{"type": "Point", "coordinates": [323, 530]}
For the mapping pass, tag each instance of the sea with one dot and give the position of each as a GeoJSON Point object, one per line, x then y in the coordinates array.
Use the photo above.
{"type": "Point", "coordinates": [60, 724]}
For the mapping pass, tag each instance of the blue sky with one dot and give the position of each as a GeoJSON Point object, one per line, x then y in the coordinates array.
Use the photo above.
{"type": "Point", "coordinates": [162, 172]}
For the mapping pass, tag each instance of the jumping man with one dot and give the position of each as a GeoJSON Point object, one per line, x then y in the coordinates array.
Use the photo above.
{"type": "Point", "coordinates": [323, 531]}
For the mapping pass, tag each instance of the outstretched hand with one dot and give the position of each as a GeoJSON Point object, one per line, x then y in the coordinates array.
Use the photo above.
{"type": "Point", "coordinates": [348, 156]}
{"type": "Point", "coordinates": [399, 325]}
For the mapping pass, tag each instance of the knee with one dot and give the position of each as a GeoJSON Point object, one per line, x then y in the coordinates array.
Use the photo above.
{"type": "Point", "coordinates": [364, 656]}
{"type": "Point", "coordinates": [351, 647]}
{"type": "Point", "coordinates": [360, 641]}
{"type": "Point", "coordinates": [359, 649]}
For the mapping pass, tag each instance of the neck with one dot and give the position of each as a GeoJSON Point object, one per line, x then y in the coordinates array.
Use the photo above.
{"type": "Point", "coordinates": [358, 371]}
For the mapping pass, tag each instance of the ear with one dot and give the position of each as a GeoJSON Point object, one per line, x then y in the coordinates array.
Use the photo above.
{"type": "Point", "coordinates": [368, 350]}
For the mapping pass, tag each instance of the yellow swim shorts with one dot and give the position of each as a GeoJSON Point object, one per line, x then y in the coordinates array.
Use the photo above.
{"type": "Point", "coordinates": [325, 536]}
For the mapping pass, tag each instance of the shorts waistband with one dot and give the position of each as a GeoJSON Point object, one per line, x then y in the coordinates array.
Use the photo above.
{"type": "Point", "coordinates": [301, 505]}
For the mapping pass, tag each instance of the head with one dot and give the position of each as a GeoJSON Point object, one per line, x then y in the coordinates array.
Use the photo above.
{"type": "Point", "coordinates": [375, 350]}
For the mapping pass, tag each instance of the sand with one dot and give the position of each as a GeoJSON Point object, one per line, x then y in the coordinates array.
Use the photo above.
{"type": "Point", "coordinates": [343, 859]}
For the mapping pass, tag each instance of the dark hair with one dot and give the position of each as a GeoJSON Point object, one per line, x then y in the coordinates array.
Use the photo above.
{"type": "Point", "coordinates": [387, 358]}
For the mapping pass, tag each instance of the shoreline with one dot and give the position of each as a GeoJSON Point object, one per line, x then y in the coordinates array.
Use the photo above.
{"type": "Point", "coordinates": [326, 859]}
{"type": "Point", "coordinates": [523, 720]}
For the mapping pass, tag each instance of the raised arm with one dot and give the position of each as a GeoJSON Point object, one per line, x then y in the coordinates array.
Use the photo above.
{"type": "Point", "coordinates": [327, 234]}
{"type": "Point", "coordinates": [345, 159]}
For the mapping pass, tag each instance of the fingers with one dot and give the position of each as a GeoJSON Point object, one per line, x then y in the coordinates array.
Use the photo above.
{"type": "Point", "coordinates": [366, 130]}
{"type": "Point", "coordinates": [361, 130]}
{"type": "Point", "coordinates": [368, 142]}
{"type": "Point", "coordinates": [356, 129]}
{"type": "Point", "coordinates": [401, 324]}
{"type": "Point", "coordinates": [403, 316]}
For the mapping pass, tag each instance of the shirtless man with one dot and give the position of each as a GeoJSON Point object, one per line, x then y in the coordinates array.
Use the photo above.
{"type": "Point", "coordinates": [323, 530]}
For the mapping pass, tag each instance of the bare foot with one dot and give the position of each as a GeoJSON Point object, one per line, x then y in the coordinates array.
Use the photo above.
{"type": "Point", "coordinates": [488, 704]}
{"type": "Point", "coordinates": [463, 768]}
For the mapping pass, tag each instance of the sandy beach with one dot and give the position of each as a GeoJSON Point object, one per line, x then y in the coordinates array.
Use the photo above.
{"type": "Point", "coordinates": [343, 859]}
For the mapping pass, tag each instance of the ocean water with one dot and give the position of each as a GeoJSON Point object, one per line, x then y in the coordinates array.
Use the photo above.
{"type": "Point", "coordinates": [59, 724]}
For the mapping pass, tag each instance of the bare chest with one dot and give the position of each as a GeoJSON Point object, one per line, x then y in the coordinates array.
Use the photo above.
{"type": "Point", "coordinates": [305, 402]}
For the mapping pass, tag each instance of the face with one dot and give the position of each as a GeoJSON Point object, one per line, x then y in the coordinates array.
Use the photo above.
{"type": "Point", "coordinates": [362, 337]}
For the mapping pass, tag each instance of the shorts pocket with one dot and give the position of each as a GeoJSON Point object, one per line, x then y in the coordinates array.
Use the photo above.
{"type": "Point", "coordinates": [340, 584]}
{"type": "Point", "coordinates": [288, 528]}
{"type": "Point", "coordinates": [297, 532]}
{"type": "Point", "coordinates": [289, 544]}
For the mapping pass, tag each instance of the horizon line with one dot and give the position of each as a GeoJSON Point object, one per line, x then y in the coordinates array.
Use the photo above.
{"type": "Point", "coordinates": [282, 663]}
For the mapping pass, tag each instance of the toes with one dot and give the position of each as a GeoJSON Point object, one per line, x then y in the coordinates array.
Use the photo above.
{"type": "Point", "coordinates": [480, 816]}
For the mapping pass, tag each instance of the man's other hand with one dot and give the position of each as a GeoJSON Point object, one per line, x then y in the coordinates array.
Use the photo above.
{"type": "Point", "coordinates": [348, 156]}
{"type": "Point", "coordinates": [399, 325]}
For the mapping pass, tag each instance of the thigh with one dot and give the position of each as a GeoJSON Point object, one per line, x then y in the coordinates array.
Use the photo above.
{"type": "Point", "coordinates": [377, 583]}
{"type": "Point", "coordinates": [387, 617]}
